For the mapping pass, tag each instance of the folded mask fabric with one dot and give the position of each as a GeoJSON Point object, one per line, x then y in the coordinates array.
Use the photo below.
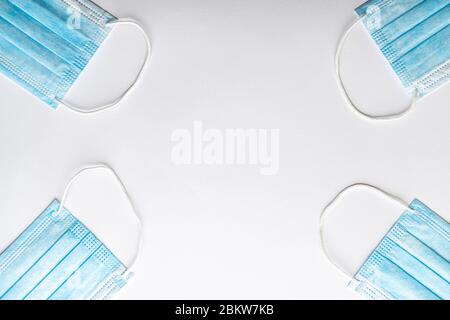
{"type": "Point", "coordinates": [414, 37]}
{"type": "Point", "coordinates": [58, 258]}
{"type": "Point", "coordinates": [46, 44]}
{"type": "Point", "coordinates": [412, 261]}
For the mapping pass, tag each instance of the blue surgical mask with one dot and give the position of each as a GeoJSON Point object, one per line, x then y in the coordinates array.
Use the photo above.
{"type": "Point", "coordinates": [412, 260]}
{"type": "Point", "coordinates": [414, 37]}
{"type": "Point", "coordinates": [59, 258]}
{"type": "Point", "coordinates": [46, 44]}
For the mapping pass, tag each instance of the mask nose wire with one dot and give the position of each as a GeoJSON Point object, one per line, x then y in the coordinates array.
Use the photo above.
{"type": "Point", "coordinates": [344, 92]}
{"type": "Point", "coordinates": [326, 211]}
{"type": "Point", "coordinates": [102, 166]}
{"type": "Point", "coordinates": [136, 81]}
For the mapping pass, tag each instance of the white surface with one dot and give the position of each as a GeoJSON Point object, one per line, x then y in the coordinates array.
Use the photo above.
{"type": "Point", "coordinates": [228, 232]}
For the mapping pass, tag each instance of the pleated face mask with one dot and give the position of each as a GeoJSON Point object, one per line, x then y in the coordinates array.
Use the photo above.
{"type": "Point", "coordinates": [412, 260]}
{"type": "Point", "coordinates": [58, 258]}
{"type": "Point", "coordinates": [46, 44]}
{"type": "Point", "coordinates": [414, 37]}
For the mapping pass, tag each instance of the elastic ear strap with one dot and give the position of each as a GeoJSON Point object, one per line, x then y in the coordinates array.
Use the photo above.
{"type": "Point", "coordinates": [124, 190]}
{"type": "Point", "coordinates": [132, 85]}
{"type": "Point", "coordinates": [327, 209]}
{"type": "Point", "coordinates": [345, 94]}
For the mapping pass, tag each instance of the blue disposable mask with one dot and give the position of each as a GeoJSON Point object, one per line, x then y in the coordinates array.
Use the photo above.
{"type": "Point", "coordinates": [412, 260]}
{"type": "Point", "coordinates": [46, 44]}
{"type": "Point", "coordinates": [414, 37]}
{"type": "Point", "coordinates": [58, 258]}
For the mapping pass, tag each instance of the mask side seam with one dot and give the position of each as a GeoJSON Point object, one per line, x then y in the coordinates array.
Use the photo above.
{"type": "Point", "coordinates": [381, 4]}
{"type": "Point", "coordinates": [93, 8]}
{"type": "Point", "coordinates": [435, 79]}
{"type": "Point", "coordinates": [109, 260]}
{"type": "Point", "coordinates": [108, 286]}
{"type": "Point", "coordinates": [94, 17]}
{"type": "Point", "coordinates": [370, 289]}
{"type": "Point", "coordinates": [385, 4]}
{"type": "Point", "coordinates": [103, 290]}
{"type": "Point", "coordinates": [373, 292]}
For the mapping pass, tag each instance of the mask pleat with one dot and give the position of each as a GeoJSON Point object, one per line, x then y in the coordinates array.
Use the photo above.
{"type": "Point", "coordinates": [39, 12]}
{"type": "Point", "coordinates": [423, 229]}
{"type": "Point", "coordinates": [65, 269]}
{"type": "Point", "coordinates": [34, 49]}
{"type": "Point", "coordinates": [18, 75]}
{"type": "Point", "coordinates": [398, 283]}
{"type": "Point", "coordinates": [30, 247]}
{"type": "Point", "coordinates": [61, 35]}
{"type": "Point", "coordinates": [88, 277]}
{"type": "Point", "coordinates": [436, 49]}
{"type": "Point", "coordinates": [435, 79]}
{"type": "Point", "coordinates": [16, 248]}
{"type": "Point", "coordinates": [35, 30]}
{"type": "Point", "coordinates": [47, 262]}
{"type": "Point", "coordinates": [422, 252]}
{"type": "Point", "coordinates": [432, 219]}
{"type": "Point", "coordinates": [409, 20]}
{"type": "Point", "coordinates": [411, 262]}
{"type": "Point", "coordinates": [43, 79]}
{"type": "Point", "coordinates": [408, 41]}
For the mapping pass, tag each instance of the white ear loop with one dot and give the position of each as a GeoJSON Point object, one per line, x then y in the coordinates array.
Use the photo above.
{"type": "Point", "coordinates": [326, 211]}
{"type": "Point", "coordinates": [132, 85]}
{"type": "Point", "coordinates": [124, 190]}
{"type": "Point", "coordinates": [344, 92]}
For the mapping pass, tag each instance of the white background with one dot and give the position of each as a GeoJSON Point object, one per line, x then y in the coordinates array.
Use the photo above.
{"type": "Point", "coordinates": [226, 231]}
